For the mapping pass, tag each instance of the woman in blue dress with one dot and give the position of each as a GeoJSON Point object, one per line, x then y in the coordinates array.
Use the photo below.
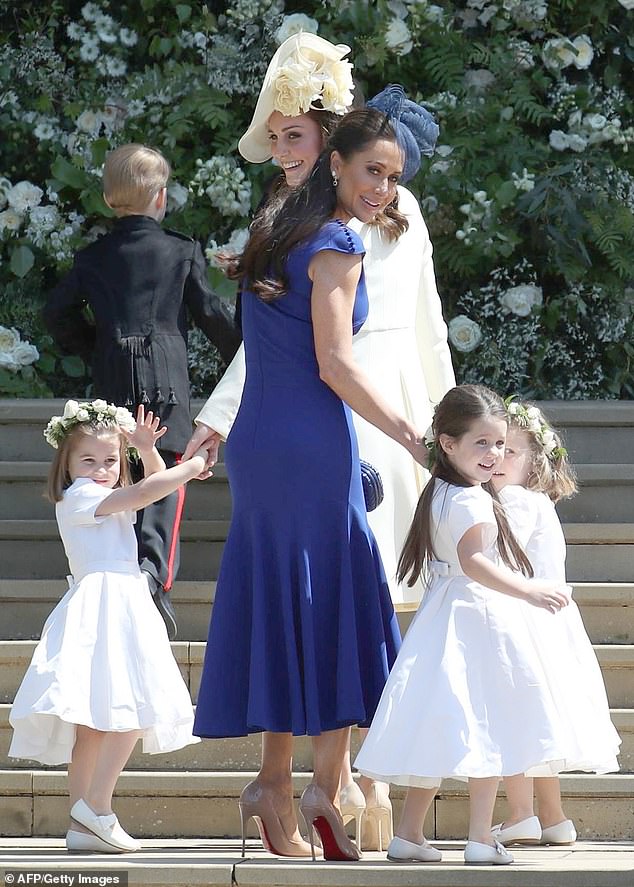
{"type": "Point", "coordinates": [303, 631]}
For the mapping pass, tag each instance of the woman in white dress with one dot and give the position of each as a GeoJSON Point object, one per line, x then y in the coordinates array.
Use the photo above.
{"type": "Point", "coordinates": [468, 660]}
{"type": "Point", "coordinates": [103, 674]}
{"type": "Point", "coordinates": [533, 476]}
{"type": "Point", "coordinates": [402, 347]}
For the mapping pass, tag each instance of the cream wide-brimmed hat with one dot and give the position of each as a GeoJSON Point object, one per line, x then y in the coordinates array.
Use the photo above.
{"type": "Point", "coordinates": [304, 70]}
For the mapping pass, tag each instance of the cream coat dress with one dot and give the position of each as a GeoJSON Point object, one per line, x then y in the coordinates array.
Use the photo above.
{"type": "Point", "coordinates": [403, 349]}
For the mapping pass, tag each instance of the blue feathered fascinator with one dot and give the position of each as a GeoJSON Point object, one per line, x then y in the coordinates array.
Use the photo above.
{"type": "Point", "coordinates": [415, 128]}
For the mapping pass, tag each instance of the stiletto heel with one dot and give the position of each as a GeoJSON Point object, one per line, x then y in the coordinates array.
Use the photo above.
{"type": "Point", "coordinates": [378, 827]}
{"type": "Point", "coordinates": [319, 813]}
{"type": "Point", "coordinates": [256, 801]}
{"type": "Point", "coordinates": [352, 806]}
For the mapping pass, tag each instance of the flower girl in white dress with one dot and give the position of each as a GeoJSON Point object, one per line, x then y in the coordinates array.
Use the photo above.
{"type": "Point", "coordinates": [468, 664]}
{"type": "Point", "coordinates": [103, 674]}
{"type": "Point", "coordinates": [533, 476]}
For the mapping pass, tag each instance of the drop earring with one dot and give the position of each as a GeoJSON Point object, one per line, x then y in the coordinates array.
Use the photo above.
{"type": "Point", "coordinates": [335, 180]}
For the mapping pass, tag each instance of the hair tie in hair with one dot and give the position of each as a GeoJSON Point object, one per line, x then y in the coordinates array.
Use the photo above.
{"type": "Point", "coordinates": [415, 128]}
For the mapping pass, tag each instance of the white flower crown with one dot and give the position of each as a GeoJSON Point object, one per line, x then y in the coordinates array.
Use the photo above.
{"type": "Point", "coordinates": [532, 420]}
{"type": "Point", "coordinates": [76, 413]}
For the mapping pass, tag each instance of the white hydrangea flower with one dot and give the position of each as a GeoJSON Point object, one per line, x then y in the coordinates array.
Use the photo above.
{"type": "Point", "coordinates": [398, 37]}
{"type": "Point", "coordinates": [464, 334]}
{"type": "Point", "coordinates": [128, 37]}
{"type": "Point", "coordinates": [24, 196]}
{"type": "Point", "coordinates": [521, 300]}
{"type": "Point", "coordinates": [10, 220]}
{"type": "Point", "coordinates": [293, 24]}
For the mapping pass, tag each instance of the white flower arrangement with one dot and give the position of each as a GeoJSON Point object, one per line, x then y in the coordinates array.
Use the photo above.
{"type": "Point", "coordinates": [224, 183]}
{"type": "Point", "coordinates": [522, 299]}
{"type": "Point", "coordinates": [464, 334]}
{"type": "Point", "coordinates": [15, 352]}
{"type": "Point", "coordinates": [531, 419]}
{"type": "Point", "coordinates": [24, 196]}
{"type": "Point", "coordinates": [96, 411]}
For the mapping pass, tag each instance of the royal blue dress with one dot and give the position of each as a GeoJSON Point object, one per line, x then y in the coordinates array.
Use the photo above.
{"type": "Point", "coordinates": [303, 632]}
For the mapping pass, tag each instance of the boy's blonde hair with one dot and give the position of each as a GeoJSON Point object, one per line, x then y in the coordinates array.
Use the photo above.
{"type": "Point", "coordinates": [132, 176]}
{"type": "Point", "coordinates": [59, 478]}
{"type": "Point", "coordinates": [551, 472]}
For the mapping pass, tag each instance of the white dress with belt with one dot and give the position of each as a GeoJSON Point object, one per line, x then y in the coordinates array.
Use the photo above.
{"type": "Point", "coordinates": [403, 349]}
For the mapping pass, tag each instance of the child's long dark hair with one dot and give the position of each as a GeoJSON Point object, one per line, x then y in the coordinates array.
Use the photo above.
{"type": "Point", "coordinates": [455, 414]}
{"type": "Point", "coordinates": [292, 216]}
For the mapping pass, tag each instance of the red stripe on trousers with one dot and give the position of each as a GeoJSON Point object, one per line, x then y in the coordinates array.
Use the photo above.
{"type": "Point", "coordinates": [180, 504]}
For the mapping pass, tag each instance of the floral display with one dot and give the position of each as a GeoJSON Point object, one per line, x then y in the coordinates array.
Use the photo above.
{"type": "Point", "coordinates": [96, 411]}
{"type": "Point", "coordinates": [529, 196]}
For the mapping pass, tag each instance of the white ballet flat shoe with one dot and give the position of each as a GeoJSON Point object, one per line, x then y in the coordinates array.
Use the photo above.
{"type": "Point", "coordinates": [484, 854]}
{"type": "Point", "coordinates": [528, 831]}
{"type": "Point", "coordinates": [401, 850]}
{"type": "Point", "coordinates": [105, 827]}
{"type": "Point", "coordinates": [562, 833]}
{"type": "Point", "coordinates": [80, 842]}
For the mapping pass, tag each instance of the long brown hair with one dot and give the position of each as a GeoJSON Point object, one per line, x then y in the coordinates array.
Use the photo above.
{"type": "Point", "coordinates": [59, 478]}
{"type": "Point", "coordinates": [454, 416]}
{"type": "Point", "coordinates": [295, 215]}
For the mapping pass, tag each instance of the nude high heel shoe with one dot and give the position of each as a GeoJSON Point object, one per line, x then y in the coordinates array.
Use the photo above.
{"type": "Point", "coordinates": [257, 801]}
{"type": "Point", "coordinates": [352, 806]}
{"type": "Point", "coordinates": [378, 828]}
{"type": "Point", "coordinates": [319, 813]}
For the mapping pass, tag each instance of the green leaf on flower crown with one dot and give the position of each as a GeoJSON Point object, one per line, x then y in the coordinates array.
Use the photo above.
{"type": "Point", "coordinates": [22, 260]}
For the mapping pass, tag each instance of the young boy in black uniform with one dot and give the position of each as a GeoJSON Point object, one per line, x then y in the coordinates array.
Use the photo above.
{"type": "Point", "coordinates": [141, 282]}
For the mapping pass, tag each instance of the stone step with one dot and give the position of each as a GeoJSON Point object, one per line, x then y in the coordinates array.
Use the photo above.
{"type": "Point", "coordinates": [31, 549]}
{"type": "Point", "coordinates": [155, 804]}
{"type": "Point", "coordinates": [244, 753]}
{"type": "Point", "coordinates": [605, 494]}
{"type": "Point", "coordinates": [23, 494]}
{"type": "Point", "coordinates": [607, 608]}
{"type": "Point", "coordinates": [191, 862]}
{"type": "Point", "coordinates": [616, 661]}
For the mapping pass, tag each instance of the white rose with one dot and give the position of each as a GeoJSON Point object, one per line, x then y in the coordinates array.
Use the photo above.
{"type": "Point", "coordinates": [594, 121]}
{"type": "Point", "coordinates": [7, 362]}
{"type": "Point", "coordinates": [24, 196]}
{"type": "Point", "coordinates": [577, 142]}
{"type": "Point", "coordinates": [464, 333]}
{"type": "Point", "coordinates": [112, 410]}
{"type": "Point", "coordinates": [521, 299]}
{"type": "Point", "coordinates": [513, 409]}
{"type": "Point", "coordinates": [558, 140]}
{"type": "Point", "coordinates": [24, 354]}
{"type": "Point", "coordinates": [533, 413]}
{"type": "Point", "coordinates": [10, 220]}
{"type": "Point", "coordinates": [398, 37]}
{"type": "Point", "coordinates": [336, 88]}
{"type": "Point", "coordinates": [585, 52]}
{"type": "Point", "coordinates": [296, 87]}
{"type": "Point", "coordinates": [100, 405]}
{"type": "Point", "coordinates": [293, 24]}
{"type": "Point", "coordinates": [89, 121]}
{"type": "Point", "coordinates": [125, 419]}
{"type": "Point", "coordinates": [82, 415]}
{"type": "Point", "coordinates": [557, 53]}
{"type": "Point", "coordinates": [9, 338]}
{"type": "Point", "coordinates": [71, 408]}
{"type": "Point", "coordinates": [479, 79]}
{"type": "Point", "coordinates": [550, 446]}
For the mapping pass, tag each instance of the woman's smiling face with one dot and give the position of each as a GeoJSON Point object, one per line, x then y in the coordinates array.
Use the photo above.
{"type": "Point", "coordinates": [367, 180]}
{"type": "Point", "coordinates": [296, 143]}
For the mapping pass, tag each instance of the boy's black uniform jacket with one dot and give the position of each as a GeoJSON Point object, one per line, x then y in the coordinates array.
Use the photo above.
{"type": "Point", "coordinates": [140, 280]}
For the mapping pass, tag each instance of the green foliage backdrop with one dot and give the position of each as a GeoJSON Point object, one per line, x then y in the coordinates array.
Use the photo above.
{"type": "Point", "coordinates": [529, 198]}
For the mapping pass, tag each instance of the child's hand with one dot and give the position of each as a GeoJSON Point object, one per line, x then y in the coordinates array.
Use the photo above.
{"type": "Point", "coordinates": [201, 456]}
{"type": "Point", "coordinates": [146, 433]}
{"type": "Point", "coordinates": [551, 596]}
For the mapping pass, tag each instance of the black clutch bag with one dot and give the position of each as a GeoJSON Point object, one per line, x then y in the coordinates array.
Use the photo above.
{"type": "Point", "coordinates": [372, 486]}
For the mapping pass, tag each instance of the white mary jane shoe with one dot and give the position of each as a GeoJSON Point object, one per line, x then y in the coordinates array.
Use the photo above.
{"type": "Point", "coordinates": [562, 833]}
{"type": "Point", "coordinates": [528, 831]}
{"type": "Point", "coordinates": [485, 854]}
{"type": "Point", "coordinates": [401, 850]}
{"type": "Point", "coordinates": [106, 827]}
{"type": "Point", "coordinates": [80, 842]}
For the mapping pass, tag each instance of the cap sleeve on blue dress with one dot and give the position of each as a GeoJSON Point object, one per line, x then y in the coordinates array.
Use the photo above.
{"type": "Point", "coordinates": [80, 502]}
{"type": "Point", "coordinates": [469, 507]}
{"type": "Point", "coordinates": [336, 236]}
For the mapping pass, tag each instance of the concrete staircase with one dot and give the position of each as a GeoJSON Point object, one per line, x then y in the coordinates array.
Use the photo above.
{"type": "Point", "coordinates": [193, 792]}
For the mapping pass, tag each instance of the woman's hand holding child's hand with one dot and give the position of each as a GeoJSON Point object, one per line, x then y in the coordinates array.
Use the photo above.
{"type": "Point", "coordinates": [201, 456]}
{"type": "Point", "coordinates": [146, 433]}
{"type": "Point", "coordinates": [549, 596]}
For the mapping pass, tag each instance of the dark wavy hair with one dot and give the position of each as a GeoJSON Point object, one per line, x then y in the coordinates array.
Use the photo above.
{"type": "Point", "coordinates": [291, 216]}
{"type": "Point", "coordinates": [454, 416]}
